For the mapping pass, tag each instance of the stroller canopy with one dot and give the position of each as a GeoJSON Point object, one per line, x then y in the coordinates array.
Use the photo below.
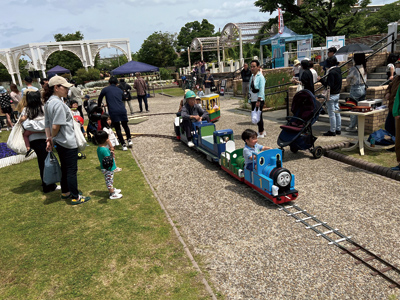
{"type": "Point", "coordinates": [305, 105]}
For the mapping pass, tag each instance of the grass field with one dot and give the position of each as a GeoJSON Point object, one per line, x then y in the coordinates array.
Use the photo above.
{"type": "Point", "coordinates": [103, 249]}
{"type": "Point", "coordinates": [383, 158]}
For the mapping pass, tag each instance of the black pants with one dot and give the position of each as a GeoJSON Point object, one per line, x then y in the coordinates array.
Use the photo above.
{"type": "Point", "coordinates": [80, 111]}
{"type": "Point", "coordinates": [39, 146]}
{"type": "Point", "coordinates": [144, 98]}
{"type": "Point", "coordinates": [187, 127]}
{"type": "Point", "coordinates": [261, 123]}
{"type": "Point", "coordinates": [117, 127]}
{"type": "Point", "coordinates": [390, 124]}
{"type": "Point", "coordinates": [69, 170]}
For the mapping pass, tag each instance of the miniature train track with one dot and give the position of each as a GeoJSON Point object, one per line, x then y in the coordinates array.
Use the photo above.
{"type": "Point", "coordinates": [362, 255]}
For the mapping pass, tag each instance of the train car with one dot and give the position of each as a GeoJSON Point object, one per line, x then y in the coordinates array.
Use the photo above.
{"type": "Point", "coordinates": [268, 177]}
{"type": "Point", "coordinates": [205, 138]}
{"type": "Point", "coordinates": [211, 103]}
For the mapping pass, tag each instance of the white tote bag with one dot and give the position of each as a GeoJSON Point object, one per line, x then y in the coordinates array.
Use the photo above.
{"type": "Point", "coordinates": [255, 116]}
{"type": "Point", "coordinates": [80, 138]}
{"type": "Point", "coordinates": [15, 140]}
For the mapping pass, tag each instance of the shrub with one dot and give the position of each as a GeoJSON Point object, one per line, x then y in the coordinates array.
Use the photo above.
{"type": "Point", "coordinates": [165, 74]}
{"type": "Point", "coordinates": [91, 74]}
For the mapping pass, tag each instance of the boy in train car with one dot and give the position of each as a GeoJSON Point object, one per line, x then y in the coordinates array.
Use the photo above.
{"type": "Point", "coordinates": [191, 113]}
{"type": "Point", "coordinates": [249, 136]}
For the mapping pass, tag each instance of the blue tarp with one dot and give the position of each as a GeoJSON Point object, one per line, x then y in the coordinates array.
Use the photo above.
{"type": "Point", "coordinates": [287, 35]}
{"type": "Point", "coordinates": [57, 70]}
{"type": "Point", "coordinates": [134, 66]}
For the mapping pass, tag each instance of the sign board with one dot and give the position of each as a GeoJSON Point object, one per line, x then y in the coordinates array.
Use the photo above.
{"type": "Point", "coordinates": [278, 48]}
{"type": "Point", "coordinates": [303, 47]}
{"type": "Point", "coordinates": [337, 42]}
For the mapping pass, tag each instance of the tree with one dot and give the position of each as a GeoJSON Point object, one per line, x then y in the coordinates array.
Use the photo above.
{"type": "Point", "coordinates": [193, 30]}
{"type": "Point", "coordinates": [158, 49]}
{"type": "Point", "coordinates": [65, 59]}
{"type": "Point", "coordinates": [320, 17]}
{"type": "Point", "coordinates": [377, 22]}
{"type": "Point", "coordinates": [190, 31]}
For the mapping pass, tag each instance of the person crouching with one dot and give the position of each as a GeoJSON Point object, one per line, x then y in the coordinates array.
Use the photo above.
{"type": "Point", "coordinates": [191, 113]}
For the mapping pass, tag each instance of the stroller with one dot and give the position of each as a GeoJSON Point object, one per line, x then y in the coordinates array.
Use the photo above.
{"type": "Point", "coordinates": [297, 133]}
{"type": "Point", "coordinates": [94, 114]}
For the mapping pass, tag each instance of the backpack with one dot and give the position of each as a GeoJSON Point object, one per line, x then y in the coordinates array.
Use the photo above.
{"type": "Point", "coordinates": [108, 162]}
{"type": "Point", "coordinates": [382, 137]}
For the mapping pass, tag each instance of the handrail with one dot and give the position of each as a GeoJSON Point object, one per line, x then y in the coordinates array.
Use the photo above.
{"type": "Point", "coordinates": [376, 43]}
{"type": "Point", "coordinates": [388, 81]}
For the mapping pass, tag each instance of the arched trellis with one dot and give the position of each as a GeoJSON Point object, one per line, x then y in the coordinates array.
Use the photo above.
{"type": "Point", "coordinates": [86, 51]}
{"type": "Point", "coordinates": [205, 44]}
{"type": "Point", "coordinates": [238, 33]}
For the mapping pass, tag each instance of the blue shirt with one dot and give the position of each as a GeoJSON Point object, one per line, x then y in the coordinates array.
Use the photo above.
{"type": "Point", "coordinates": [248, 153]}
{"type": "Point", "coordinates": [116, 106]}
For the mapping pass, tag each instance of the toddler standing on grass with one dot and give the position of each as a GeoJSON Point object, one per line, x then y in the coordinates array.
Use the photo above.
{"type": "Point", "coordinates": [102, 151]}
{"type": "Point", "coordinates": [112, 139]}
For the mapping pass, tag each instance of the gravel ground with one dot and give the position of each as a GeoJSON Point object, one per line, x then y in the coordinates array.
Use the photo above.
{"type": "Point", "coordinates": [250, 249]}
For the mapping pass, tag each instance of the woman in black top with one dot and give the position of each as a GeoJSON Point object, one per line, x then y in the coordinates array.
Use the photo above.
{"type": "Point", "coordinates": [306, 77]}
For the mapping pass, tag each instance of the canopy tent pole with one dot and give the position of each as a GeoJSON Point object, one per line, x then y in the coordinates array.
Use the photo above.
{"type": "Point", "coordinates": [219, 59]}
{"type": "Point", "coordinates": [240, 48]}
{"type": "Point", "coordinates": [190, 65]}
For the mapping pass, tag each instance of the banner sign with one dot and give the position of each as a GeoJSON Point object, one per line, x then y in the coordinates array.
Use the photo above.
{"type": "Point", "coordinates": [337, 42]}
{"type": "Point", "coordinates": [280, 20]}
{"type": "Point", "coordinates": [303, 47]}
{"type": "Point", "coordinates": [278, 47]}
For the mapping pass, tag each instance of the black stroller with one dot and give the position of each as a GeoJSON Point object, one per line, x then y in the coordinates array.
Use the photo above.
{"type": "Point", "coordinates": [297, 133]}
{"type": "Point", "coordinates": [94, 114]}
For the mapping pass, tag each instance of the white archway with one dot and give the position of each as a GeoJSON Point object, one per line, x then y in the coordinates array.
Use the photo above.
{"type": "Point", "coordinates": [39, 53]}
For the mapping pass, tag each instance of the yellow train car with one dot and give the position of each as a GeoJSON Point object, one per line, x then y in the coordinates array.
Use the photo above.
{"type": "Point", "coordinates": [211, 103]}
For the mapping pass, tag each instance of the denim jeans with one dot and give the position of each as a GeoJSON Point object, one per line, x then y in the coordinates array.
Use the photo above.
{"type": "Point", "coordinates": [69, 170]}
{"type": "Point", "coordinates": [144, 98]}
{"type": "Point", "coordinates": [357, 92]}
{"type": "Point", "coordinates": [334, 118]}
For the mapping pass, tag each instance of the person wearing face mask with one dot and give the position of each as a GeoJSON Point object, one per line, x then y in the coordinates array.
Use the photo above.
{"type": "Point", "coordinates": [390, 95]}
{"type": "Point", "coordinates": [208, 82]}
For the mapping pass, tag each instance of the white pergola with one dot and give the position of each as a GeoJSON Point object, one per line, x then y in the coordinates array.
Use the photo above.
{"type": "Point", "coordinates": [232, 35]}
{"type": "Point", "coordinates": [39, 53]}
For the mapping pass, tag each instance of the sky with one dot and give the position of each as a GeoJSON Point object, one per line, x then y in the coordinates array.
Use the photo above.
{"type": "Point", "coordinates": [32, 21]}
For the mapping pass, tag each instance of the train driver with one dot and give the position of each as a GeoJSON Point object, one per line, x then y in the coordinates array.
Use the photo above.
{"type": "Point", "coordinates": [191, 113]}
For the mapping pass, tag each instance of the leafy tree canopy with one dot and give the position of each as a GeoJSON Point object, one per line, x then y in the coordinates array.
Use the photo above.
{"type": "Point", "coordinates": [193, 30]}
{"type": "Point", "coordinates": [377, 22]}
{"type": "Point", "coordinates": [158, 49]}
{"type": "Point", "coordinates": [320, 17]}
{"type": "Point", "coordinates": [77, 36]}
{"type": "Point", "coordinates": [65, 59]}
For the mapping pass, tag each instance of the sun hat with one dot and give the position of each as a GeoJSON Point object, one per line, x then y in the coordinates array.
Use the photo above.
{"type": "Point", "coordinates": [190, 94]}
{"type": "Point", "coordinates": [58, 80]}
{"type": "Point", "coordinates": [296, 62]}
{"type": "Point", "coordinates": [2, 90]}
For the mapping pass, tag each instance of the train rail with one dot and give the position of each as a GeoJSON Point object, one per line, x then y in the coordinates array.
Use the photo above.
{"type": "Point", "coordinates": [362, 255]}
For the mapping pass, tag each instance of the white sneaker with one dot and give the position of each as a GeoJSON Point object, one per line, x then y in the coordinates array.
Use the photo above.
{"type": "Point", "coordinates": [115, 196]}
{"type": "Point", "coordinates": [190, 144]}
{"type": "Point", "coordinates": [130, 143]}
{"type": "Point", "coordinates": [124, 148]}
{"type": "Point", "coordinates": [117, 191]}
{"type": "Point", "coordinates": [58, 188]}
{"type": "Point", "coordinates": [351, 129]}
{"type": "Point", "coordinates": [262, 134]}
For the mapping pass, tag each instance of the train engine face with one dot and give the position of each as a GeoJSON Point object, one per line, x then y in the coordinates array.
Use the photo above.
{"type": "Point", "coordinates": [270, 178]}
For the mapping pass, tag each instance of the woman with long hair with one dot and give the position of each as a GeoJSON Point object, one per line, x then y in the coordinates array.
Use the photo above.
{"type": "Point", "coordinates": [37, 140]}
{"type": "Point", "coordinates": [356, 79]}
{"type": "Point", "coordinates": [15, 94]}
{"type": "Point", "coordinates": [60, 132]}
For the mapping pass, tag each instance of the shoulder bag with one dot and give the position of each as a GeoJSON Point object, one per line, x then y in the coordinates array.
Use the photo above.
{"type": "Point", "coordinates": [16, 141]}
{"type": "Point", "coordinates": [80, 139]}
{"type": "Point", "coordinates": [52, 170]}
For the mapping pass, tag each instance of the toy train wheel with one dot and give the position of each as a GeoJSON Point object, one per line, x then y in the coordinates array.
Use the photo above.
{"type": "Point", "coordinates": [317, 152]}
{"type": "Point", "coordinates": [294, 149]}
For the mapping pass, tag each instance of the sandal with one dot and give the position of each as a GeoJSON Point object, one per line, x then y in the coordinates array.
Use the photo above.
{"type": "Point", "coordinates": [82, 199]}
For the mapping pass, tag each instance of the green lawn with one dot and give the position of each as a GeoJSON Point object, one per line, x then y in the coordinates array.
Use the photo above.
{"type": "Point", "coordinates": [383, 158]}
{"type": "Point", "coordinates": [103, 249]}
